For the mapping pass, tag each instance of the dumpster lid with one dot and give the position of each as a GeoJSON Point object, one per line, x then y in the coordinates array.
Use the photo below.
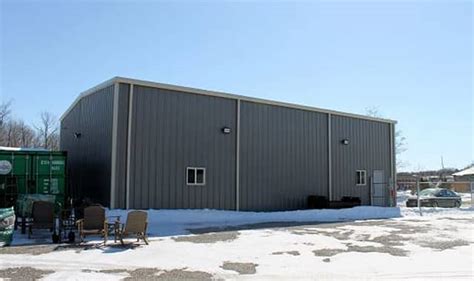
{"type": "Point", "coordinates": [6, 148]}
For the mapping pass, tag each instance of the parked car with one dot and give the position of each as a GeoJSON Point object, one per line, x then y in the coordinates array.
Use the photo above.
{"type": "Point", "coordinates": [436, 197]}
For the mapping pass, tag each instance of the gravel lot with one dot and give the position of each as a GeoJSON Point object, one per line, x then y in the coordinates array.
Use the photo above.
{"type": "Point", "coordinates": [269, 249]}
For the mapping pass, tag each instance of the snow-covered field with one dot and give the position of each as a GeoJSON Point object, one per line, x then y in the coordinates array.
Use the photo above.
{"type": "Point", "coordinates": [359, 243]}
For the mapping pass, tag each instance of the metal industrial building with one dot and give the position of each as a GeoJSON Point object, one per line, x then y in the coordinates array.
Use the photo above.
{"type": "Point", "coordinates": [139, 144]}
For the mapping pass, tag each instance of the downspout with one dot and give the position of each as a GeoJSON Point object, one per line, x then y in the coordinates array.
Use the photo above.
{"type": "Point", "coordinates": [114, 146]}
{"type": "Point", "coordinates": [393, 164]}
{"type": "Point", "coordinates": [129, 138]}
{"type": "Point", "coordinates": [329, 158]}
{"type": "Point", "coordinates": [237, 160]}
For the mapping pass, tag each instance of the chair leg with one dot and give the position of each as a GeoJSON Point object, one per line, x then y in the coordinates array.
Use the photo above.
{"type": "Point", "coordinates": [145, 239]}
{"type": "Point", "coordinates": [121, 240]}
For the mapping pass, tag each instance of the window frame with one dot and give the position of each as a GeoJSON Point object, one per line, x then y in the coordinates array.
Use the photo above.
{"type": "Point", "coordinates": [362, 176]}
{"type": "Point", "coordinates": [195, 169]}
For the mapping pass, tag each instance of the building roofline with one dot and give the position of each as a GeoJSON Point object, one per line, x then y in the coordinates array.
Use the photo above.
{"type": "Point", "coordinates": [138, 82]}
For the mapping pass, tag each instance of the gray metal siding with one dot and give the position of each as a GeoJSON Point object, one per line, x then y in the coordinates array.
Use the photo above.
{"type": "Point", "coordinates": [89, 156]}
{"type": "Point", "coordinates": [68, 142]}
{"type": "Point", "coordinates": [283, 157]}
{"type": "Point", "coordinates": [283, 151]}
{"type": "Point", "coordinates": [171, 131]}
{"type": "Point", "coordinates": [369, 149]}
{"type": "Point", "coordinates": [121, 148]}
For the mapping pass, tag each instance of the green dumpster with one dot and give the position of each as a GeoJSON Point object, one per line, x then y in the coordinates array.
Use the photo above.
{"type": "Point", "coordinates": [31, 171]}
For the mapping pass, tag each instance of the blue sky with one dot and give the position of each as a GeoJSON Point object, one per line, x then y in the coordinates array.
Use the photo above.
{"type": "Point", "coordinates": [411, 59]}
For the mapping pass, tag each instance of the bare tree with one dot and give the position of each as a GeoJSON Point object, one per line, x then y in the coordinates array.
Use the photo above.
{"type": "Point", "coordinates": [17, 134]}
{"type": "Point", "coordinates": [400, 140]}
{"type": "Point", "coordinates": [4, 117]}
{"type": "Point", "coordinates": [47, 130]}
{"type": "Point", "coordinates": [26, 134]}
{"type": "Point", "coordinates": [5, 110]}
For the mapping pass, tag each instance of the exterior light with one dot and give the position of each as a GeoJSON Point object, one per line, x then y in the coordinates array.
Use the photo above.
{"type": "Point", "coordinates": [226, 130]}
{"type": "Point", "coordinates": [345, 141]}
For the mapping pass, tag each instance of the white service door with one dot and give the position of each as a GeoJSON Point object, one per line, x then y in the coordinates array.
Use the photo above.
{"type": "Point", "coordinates": [378, 188]}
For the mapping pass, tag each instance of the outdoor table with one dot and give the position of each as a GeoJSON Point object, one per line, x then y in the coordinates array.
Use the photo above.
{"type": "Point", "coordinates": [113, 224]}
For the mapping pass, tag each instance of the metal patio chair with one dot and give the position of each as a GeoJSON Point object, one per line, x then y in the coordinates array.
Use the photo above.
{"type": "Point", "coordinates": [93, 223]}
{"type": "Point", "coordinates": [137, 223]}
{"type": "Point", "coordinates": [42, 214]}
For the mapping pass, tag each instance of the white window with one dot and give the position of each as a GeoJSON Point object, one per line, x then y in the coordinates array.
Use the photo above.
{"type": "Point", "coordinates": [195, 176]}
{"type": "Point", "coordinates": [361, 177]}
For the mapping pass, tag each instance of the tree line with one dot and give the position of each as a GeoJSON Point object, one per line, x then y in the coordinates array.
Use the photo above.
{"type": "Point", "coordinates": [15, 132]}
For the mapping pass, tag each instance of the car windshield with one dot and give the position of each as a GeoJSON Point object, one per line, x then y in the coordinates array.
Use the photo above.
{"type": "Point", "coordinates": [428, 192]}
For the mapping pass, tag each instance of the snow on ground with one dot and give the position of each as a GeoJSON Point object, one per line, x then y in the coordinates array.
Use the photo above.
{"type": "Point", "coordinates": [402, 196]}
{"type": "Point", "coordinates": [176, 222]}
{"type": "Point", "coordinates": [467, 198]}
{"type": "Point", "coordinates": [359, 243]}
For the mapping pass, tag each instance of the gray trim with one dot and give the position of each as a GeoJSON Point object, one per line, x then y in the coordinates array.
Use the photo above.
{"type": "Point", "coordinates": [129, 137]}
{"type": "Point", "coordinates": [329, 159]}
{"type": "Point", "coordinates": [113, 153]}
{"type": "Point", "coordinates": [237, 159]}
{"type": "Point", "coordinates": [371, 190]}
{"type": "Point", "coordinates": [393, 162]}
{"type": "Point", "coordinates": [121, 158]}
{"type": "Point", "coordinates": [226, 95]}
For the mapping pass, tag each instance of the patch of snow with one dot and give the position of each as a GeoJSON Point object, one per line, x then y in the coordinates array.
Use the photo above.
{"type": "Point", "coordinates": [402, 196]}
{"type": "Point", "coordinates": [259, 245]}
{"type": "Point", "coordinates": [430, 211]}
{"type": "Point", "coordinates": [176, 222]}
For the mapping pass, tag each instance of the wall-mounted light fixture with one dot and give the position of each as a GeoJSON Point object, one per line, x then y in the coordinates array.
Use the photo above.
{"type": "Point", "coordinates": [345, 142]}
{"type": "Point", "coordinates": [77, 135]}
{"type": "Point", "coordinates": [226, 130]}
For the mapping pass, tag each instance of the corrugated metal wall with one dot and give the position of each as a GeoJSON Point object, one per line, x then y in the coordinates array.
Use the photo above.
{"type": "Point", "coordinates": [283, 151]}
{"type": "Point", "coordinates": [172, 131]}
{"type": "Point", "coordinates": [283, 157]}
{"type": "Point", "coordinates": [121, 148]}
{"type": "Point", "coordinates": [368, 149]}
{"type": "Point", "coordinates": [68, 142]}
{"type": "Point", "coordinates": [89, 156]}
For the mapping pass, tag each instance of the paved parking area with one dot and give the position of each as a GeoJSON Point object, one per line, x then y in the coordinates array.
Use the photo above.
{"type": "Point", "coordinates": [410, 247]}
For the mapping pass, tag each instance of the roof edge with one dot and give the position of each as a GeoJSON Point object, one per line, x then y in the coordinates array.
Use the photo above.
{"type": "Point", "coordinates": [118, 79]}
{"type": "Point", "coordinates": [87, 92]}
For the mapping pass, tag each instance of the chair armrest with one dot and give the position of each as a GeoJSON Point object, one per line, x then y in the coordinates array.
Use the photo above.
{"type": "Point", "coordinates": [80, 225]}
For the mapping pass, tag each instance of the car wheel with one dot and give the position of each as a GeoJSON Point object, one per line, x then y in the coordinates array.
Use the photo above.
{"type": "Point", "coordinates": [457, 204]}
{"type": "Point", "coordinates": [434, 204]}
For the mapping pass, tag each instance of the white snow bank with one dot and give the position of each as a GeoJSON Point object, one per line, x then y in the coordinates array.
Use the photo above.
{"type": "Point", "coordinates": [430, 211]}
{"type": "Point", "coordinates": [177, 222]}
{"type": "Point", "coordinates": [402, 196]}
